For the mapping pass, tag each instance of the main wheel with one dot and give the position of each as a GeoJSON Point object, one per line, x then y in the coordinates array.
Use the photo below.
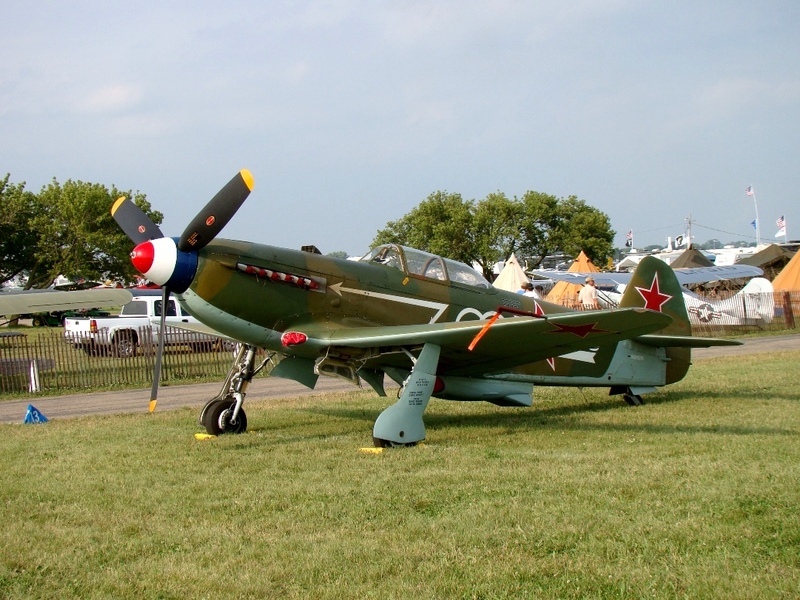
{"type": "Point", "coordinates": [207, 408]}
{"type": "Point", "coordinates": [218, 418]}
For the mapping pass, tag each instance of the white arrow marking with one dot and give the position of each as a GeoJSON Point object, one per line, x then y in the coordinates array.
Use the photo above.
{"type": "Point", "coordinates": [437, 306]}
{"type": "Point", "coordinates": [586, 356]}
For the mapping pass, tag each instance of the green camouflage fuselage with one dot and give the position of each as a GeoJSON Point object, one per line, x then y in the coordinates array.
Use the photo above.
{"type": "Point", "coordinates": [255, 293]}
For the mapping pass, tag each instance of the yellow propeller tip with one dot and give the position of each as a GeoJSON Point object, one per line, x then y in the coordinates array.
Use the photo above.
{"type": "Point", "coordinates": [153, 405]}
{"type": "Point", "coordinates": [116, 204]}
{"type": "Point", "coordinates": [247, 176]}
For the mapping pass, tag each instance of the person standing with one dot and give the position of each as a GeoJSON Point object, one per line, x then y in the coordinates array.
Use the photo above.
{"type": "Point", "coordinates": [588, 296]}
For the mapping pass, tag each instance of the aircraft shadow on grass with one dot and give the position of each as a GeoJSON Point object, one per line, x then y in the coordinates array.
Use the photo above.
{"type": "Point", "coordinates": [558, 417]}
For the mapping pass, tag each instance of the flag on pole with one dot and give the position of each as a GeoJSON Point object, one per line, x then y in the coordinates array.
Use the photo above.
{"type": "Point", "coordinates": [781, 223]}
{"type": "Point", "coordinates": [749, 190]}
{"type": "Point", "coordinates": [629, 238]}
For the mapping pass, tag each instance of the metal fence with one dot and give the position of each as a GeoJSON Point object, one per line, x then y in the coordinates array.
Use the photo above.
{"type": "Point", "coordinates": [44, 361]}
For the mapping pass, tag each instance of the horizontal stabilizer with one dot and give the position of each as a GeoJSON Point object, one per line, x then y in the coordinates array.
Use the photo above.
{"type": "Point", "coordinates": [684, 341]}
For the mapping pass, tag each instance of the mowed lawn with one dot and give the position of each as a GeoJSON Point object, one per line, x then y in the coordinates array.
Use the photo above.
{"type": "Point", "coordinates": [695, 494]}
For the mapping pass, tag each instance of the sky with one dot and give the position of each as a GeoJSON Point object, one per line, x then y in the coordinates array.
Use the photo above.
{"type": "Point", "coordinates": [350, 113]}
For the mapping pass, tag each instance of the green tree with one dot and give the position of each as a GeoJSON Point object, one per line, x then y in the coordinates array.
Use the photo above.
{"type": "Point", "coordinates": [70, 232]}
{"type": "Point", "coordinates": [496, 230]}
{"type": "Point", "coordinates": [541, 226]}
{"type": "Point", "coordinates": [586, 228]}
{"type": "Point", "coordinates": [490, 230]}
{"type": "Point", "coordinates": [18, 239]}
{"type": "Point", "coordinates": [440, 224]}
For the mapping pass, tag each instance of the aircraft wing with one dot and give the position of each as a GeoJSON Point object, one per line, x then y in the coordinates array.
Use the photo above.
{"type": "Point", "coordinates": [685, 276]}
{"type": "Point", "coordinates": [34, 301]}
{"type": "Point", "coordinates": [505, 344]}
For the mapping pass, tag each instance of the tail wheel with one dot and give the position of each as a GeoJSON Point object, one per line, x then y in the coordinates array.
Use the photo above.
{"type": "Point", "coordinates": [217, 419]}
{"type": "Point", "coordinates": [633, 399]}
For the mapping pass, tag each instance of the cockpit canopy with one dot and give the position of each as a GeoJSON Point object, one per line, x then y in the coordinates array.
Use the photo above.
{"type": "Point", "coordinates": [425, 264]}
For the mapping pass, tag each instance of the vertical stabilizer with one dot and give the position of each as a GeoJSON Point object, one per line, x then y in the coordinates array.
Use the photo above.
{"type": "Point", "coordinates": [655, 286]}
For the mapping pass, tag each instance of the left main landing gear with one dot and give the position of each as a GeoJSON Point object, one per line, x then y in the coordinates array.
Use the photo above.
{"type": "Point", "coordinates": [224, 412]}
{"type": "Point", "coordinates": [401, 424]}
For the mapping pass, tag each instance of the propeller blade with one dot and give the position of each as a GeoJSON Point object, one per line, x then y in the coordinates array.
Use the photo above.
{"type": "Point", "coordinates": [162, 334]}
{"type": "Point", "coordinates": [216, 214]}
{"type": "Point", "coordinates": [134, 222]}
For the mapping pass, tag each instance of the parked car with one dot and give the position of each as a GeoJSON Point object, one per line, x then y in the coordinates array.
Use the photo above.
{"type": "Point", "coordinates": [135, 326]}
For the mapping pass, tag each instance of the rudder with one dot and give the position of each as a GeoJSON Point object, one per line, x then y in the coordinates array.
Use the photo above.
{"type": "Point", "coordinates": [654, 286]}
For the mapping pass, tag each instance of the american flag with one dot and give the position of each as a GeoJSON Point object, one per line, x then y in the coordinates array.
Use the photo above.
{"type": "Point", "coordinates": [781, 222]}
{"type": "Point", "coordinates": [749, 190]}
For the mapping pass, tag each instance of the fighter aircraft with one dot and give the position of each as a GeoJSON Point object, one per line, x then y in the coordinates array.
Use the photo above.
{"type": "Point", "coordinates": [433, 325]}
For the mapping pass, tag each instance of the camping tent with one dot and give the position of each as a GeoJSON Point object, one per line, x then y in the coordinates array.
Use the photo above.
{"type": "Point", "coordinates": [772, 259]}
{"type": "Point", "coordinates": [567, 293]}
{"type": "Point", "coordinates": [511, 277]}
{"type": "Point", "coordinates": [691, 258]}
{"type": "Point", "coordinates": [789, 278]}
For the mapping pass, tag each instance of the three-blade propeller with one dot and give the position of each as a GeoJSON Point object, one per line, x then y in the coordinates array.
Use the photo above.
{"type": "Point", "coordinates": [201, 230]}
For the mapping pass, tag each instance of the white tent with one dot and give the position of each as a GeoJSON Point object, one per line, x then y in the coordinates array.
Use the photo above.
{"type": "Point", "coordinates": [511, 277]}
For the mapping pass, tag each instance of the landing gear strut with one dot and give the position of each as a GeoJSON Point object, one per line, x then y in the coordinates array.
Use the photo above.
{"type": "Point", "coordinates": [224, 413]}
{"type": "Point", "coordinates": [401, 424]}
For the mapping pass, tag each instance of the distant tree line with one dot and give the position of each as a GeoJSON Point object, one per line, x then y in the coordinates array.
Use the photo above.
{"type": "Point", "coordinates": [65, 229]}
{"type": "Point", "coordinates": [487, 231]}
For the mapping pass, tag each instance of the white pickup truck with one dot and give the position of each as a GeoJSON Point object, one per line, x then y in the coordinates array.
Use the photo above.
{"type": "Point", "coordinates": [136, 326]}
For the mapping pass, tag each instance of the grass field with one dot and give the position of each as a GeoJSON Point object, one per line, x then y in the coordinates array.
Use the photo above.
{"type": "Point", "coordinates": [694, 495]}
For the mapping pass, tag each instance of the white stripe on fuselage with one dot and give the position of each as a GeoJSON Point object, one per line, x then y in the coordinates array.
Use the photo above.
{"type": "Point", "coordinates": [437, 306]}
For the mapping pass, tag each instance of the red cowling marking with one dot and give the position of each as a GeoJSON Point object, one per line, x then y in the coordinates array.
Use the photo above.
{"type": "Point", "coordinates": [143, 256]}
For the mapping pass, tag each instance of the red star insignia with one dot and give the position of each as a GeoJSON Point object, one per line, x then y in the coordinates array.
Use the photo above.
{"type": "Point", "coordinates": [580, 330]}
{"type": "Point", "coordinates": [653, 298]}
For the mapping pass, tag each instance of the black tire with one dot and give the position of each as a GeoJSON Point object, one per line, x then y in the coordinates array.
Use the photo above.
{"type": "Point", "coordinates": [207, 409]}
{"type": "Point", "coordinates": [125, 345]}
{"type": "Point", "coordinates": [217, 419]}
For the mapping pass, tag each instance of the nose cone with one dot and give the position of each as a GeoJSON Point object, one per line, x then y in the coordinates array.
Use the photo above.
{"type": "Point", "coordinates": [143, 256]}
{"type": "Point", "coordinates": [161, 262]}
